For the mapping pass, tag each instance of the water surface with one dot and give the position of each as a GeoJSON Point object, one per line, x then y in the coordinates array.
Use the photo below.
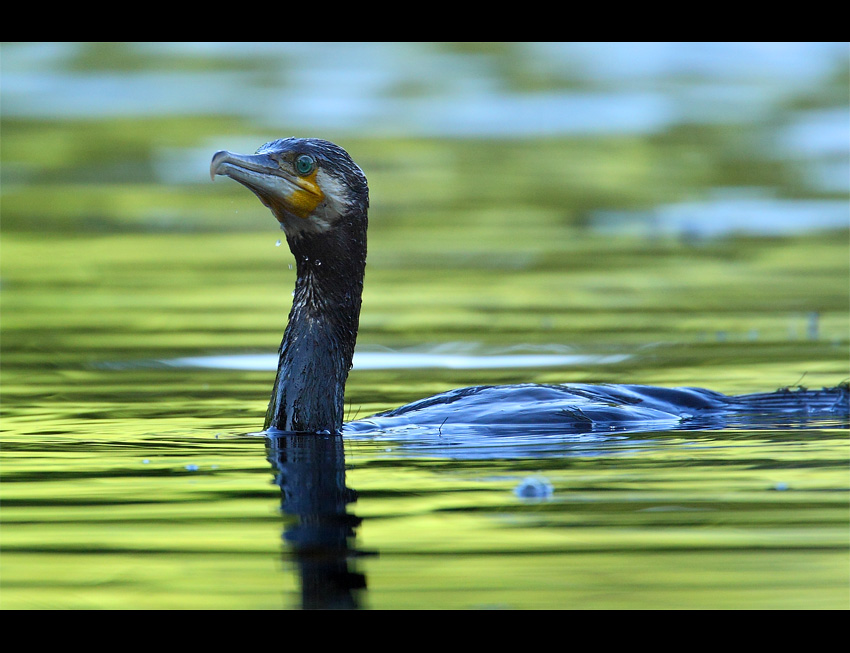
{"type": "Point", "coordinates": [540, 213]}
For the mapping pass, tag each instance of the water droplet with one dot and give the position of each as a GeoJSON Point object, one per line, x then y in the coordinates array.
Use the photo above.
{"type": "Point", "coordinates": [192, 468]}
{"type": "Point", "coordinates": [318, 262]}
{"type": "Point", "coordinates": [290, 266]}
{"type": "Point", "coordinates": [277, 244]}
{"type": "Point", "coordinates": [534, 488]}
{"type": "Point", "coordinates": [812, 327]}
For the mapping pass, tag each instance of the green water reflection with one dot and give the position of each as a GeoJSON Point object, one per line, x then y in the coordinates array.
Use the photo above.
{"type": "Point", "coordinates": [128, 483]}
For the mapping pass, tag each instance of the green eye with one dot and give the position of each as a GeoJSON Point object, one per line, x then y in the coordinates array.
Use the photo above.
{"type": "Point", "coordinates": [304, 164]}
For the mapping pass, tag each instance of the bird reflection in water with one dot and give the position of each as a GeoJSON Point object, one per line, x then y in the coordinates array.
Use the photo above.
{"type": "Point", "coordinates": [319, 531]}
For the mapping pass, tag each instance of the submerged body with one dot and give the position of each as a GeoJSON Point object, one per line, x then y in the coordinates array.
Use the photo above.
{"type": "Point", "coordinates": [582, 408]}
{"type": "Point", "coordinates": [320, 197]}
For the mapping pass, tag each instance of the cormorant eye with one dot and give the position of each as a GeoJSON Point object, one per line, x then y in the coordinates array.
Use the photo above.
{"type": "Point", "coordinates": [305, 164]}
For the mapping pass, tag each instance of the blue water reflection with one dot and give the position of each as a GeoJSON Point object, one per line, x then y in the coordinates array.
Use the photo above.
{"type": "Point", "coordinates": [428, 89]}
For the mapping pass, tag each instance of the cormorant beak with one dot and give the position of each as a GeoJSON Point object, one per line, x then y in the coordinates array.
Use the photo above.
{"type": "Point", "coordinates": [279, 189]}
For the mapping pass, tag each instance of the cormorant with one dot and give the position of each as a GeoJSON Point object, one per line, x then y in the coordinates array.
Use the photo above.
{"type": "Point", "coordinates": [321, 199]}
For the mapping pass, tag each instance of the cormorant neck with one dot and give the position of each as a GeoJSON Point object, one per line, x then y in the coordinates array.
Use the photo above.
{"type": "Point", "coordinates": [318, 344]}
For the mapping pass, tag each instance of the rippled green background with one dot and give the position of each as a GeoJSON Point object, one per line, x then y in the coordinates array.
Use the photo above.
{"type": "Point", "coordinates": [525, 198]}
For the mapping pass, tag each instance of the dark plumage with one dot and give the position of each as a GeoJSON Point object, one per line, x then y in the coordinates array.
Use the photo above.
{"type": "Point", "coordinates": [321, 198]}
{"type": "Point", "coordinates": [323, 211]}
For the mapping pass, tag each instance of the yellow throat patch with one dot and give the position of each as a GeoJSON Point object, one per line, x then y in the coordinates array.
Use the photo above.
{"type": "Point", "coordinates": [304, 200]}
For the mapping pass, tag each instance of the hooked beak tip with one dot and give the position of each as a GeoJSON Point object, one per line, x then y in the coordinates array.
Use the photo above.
{"type": "Point", "coordinates": [218, 157]}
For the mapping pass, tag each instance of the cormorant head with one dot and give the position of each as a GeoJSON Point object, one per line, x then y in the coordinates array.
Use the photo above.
{"type": "Point", "coordinates": [308, 183]}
